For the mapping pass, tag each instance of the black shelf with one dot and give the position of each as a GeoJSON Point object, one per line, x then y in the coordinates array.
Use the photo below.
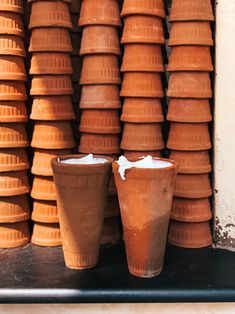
{"type": "Point", "coordinates": [37, 275]}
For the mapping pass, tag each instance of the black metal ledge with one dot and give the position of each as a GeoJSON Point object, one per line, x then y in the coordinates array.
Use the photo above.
{"type": "Point", "coordinates": [37, 275]}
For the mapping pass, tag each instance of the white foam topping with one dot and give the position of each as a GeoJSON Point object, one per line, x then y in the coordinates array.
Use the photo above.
{"type": "Point", "coordinates": [144, 162]}
{"type": "Point", "coordinates": [87, 160]}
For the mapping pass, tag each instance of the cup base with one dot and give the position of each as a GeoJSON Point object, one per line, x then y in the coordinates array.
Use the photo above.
{"type": "Point", "coordinates": [80, 261]}
{"type": "Point", "coordinates": [143, 268]}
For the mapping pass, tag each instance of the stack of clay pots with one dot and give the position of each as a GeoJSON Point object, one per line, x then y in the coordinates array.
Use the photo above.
{"type": "Point", "coordinates": [189, 113]}
{"type": "Point", "coordinates": [142, 65]}
{"type": "Point", "coordinates": [14, 185]}
{"type": "Point", "coordinates": [52, 109]}
{"type": "Point", "coordinates": [100, 101]}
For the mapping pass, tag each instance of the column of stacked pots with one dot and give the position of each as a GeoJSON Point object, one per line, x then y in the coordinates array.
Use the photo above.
{"type": "Point", "coordinates": [189, 113]}
{"type": "Point", "coordinates": [52, 110]}
{"type": "Point", "coordinates": [143, 37]}
{"type": "Point", "coordinates": [14, 185]}
{"type": "Point", "coordinates": [100, 101]}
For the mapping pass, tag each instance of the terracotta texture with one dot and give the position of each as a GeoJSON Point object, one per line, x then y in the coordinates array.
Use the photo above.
{"type": "Point", "coordinates": [111, 231]}
{"type": "Point", "coordinates": [100, 97]}
{"type": "Point", "coordinates": [145, 199]}
{"type": "Point", "coordinates": [190, 137]}
{"type": "Point", "coordinates": [190, 235]}
{"type": "Point", "coordinates": [138, 154]}
{"type": "Point", "coordinates": [189, 110]}
{"type": "Point", "coordinates": [42, 160]}
{"type": "Point", "coordinates": [75, 6]}
{"type": "Point", "coordinates": [12, 45]}
{"type": "Point", "coordinates": [99, 144]}
{"type": "Point", "coordinates": [112, 208]}
{"type": "Point", "coordinates": [192, 186]}
{"type": "Point", "coordinates": [142, 110]}
{"type": "Point", "coordinates": [143, 29]}
{"type": "Point", "coordinates": [12, 6]}
{"type": "Point", "coordinates": [50, 39]}
{"type": "Point", "coordinates": [12, 68]}
{"type": "Point", "coordinates": [100, 39]}
{"type": "Point", "coordinates": [14, 209]}
{"type": "Point", "coordinates": [87, 186]}
{"type": "Point", "coordinates": [43, 188]}
{"type": "Point", "coordinates": [45, 211]}
{"type": "Point", "coordinates": [191, 33]}
{"type": "Point", "coordinates": [11, 24]}
{"type": "Point", "coordinates": [12, 90]}
{"type": "Point", "coordinates": [142, 137]}
{"type": "Point", "coordinates": [76, 66]}
{"type": "Point", "coordinates": [100, 69]}
{"type": "Point", "coordinates": [52, 135]}
{"type": "Point", "coordinates": [47, 85]}
{"type": "Point", "coordinates": [102, 12]}
{"type": "Point", "coordinates": [189, 85]}
{"type": "Point", "coordinates": [188, 210]}
{"type": "Point", "coordinates": [14, 183]}
{"type": "Point", "coordinates": [13, 111]}
{"type": "Point", "coordinates": [46, 234]}
{"type": "Point", "coordinates": [13, 159]}
{"type": "Point", "coordinates": [13, 135]}
{"type": "Point", "coordinates": [50, 13]}
{"type": "Point", "coordinates": [149, 7]}
{"type": "Point", "coordinates": [142, 84]}
{"type": "Point", "coordinates": [100, 121]}
{"type": "Point", "coordinates": [13, 235]}
{"type": "Point", "coordinates": [188, 10]}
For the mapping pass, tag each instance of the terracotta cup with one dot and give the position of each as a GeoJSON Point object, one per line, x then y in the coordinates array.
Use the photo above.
{"type": "Point", "coordinates": [100, 12]}
{"type": "Point", "coordinates": [14, 183]}
{"type": "Point", "coordinates": [142, 110]}
{"type": "Point", "coordinates": [75, 6]}
{"type": "Point", "coordinates": [189, 136]}
{"type": "Point", "coordinates": [13, 235]}
{"type": "Point", "coordinates": [143, 7]}
{"type": "Point", "coordinates": [189, 110]}
{"type": "Point", "coordinates": [45, 211]}
{"type": "Point", "coordinates": [13, 135]}
{"type": "Point", "coordinates": [142, 137]}
{"type": "Point", "coordinates": [100, 39]}
{"type": "Point", "coordinates": [49, 85]}
{"type": "Point", "coordinates": [111, 231]}
{"type": "Point", "coordinates": [188, 210]}
{"type": "Point", "coordinates": [12, 45]}
{"type": "Point", "coordinates": [11, 24]}
{"type": "Point", "coordinates": [12, 68]}
{"type": "Point", "coordinates": [143, 29]}
{"type": "Point", "coordinates": [189, 85]}
{"type": "Point", "coordinates": [145, 199]}
{"type": "Point", "coordinates": [14, 209]}
{"type": "Point", "coordinates": [13, 111]}
{"type": "Point", "coordinates": [99, 144]}
{"type": "Point", "coordinates": [87, 186]}
{"type": "Point", "coordinates": [12, 90]}
{"type": "Point", "coordinates": [46, 234]}
{"type": "Point", "coordinates": [43, 188]}
{"type": "Point", "coordinates": [193, 235]}
{"type": "Point", "coordinates": [100, 69]}
{"type": "Point", "coordinates": [13, 159]}
{"type": "Point", "coordinates": [12, 6]}
{"type": "Point", "coordinates": [112, 208]}
{"type": "Point", "coordinates": [142, 84]}
{"type": "Point", "coordinates": [138, 154]}
{"type": "Point", "coordinates": [143, 58]}
{"type": "Point", "coordinates": [188, 10]}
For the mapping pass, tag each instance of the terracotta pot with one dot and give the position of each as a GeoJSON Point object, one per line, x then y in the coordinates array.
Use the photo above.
{"type": "Point", "coordinates": [76, 43]}
{"type": "Point", "coordinates": [193, 235]}
{"type": "Point", "coordinates": [100, 39]}
{"type": "Point", "coordinates": [143, 29]}
{"type": "Point", "coordinates": [13, 111]}
{"type": "Point", "coordinates": [77, 67]}
{"type": "Point", "coordinates": [189, 110]}
{"type": "Point", "coordinates": [50, 39]}
{"type": "Point", "coordinates": [192, 186]}
{"type": "Point", "coordinates": [50, 13]}
{"type": "Point", "coordinates": [45, 211]}
{"type": "Point", "coordinates": [145, 199]}
{"type": "Point", "coordinates": [12, 68]}
{"type": "Point", "coordinates": [191, 33]}
{"type": "Point", "coordinates": [102, 12]}
{"type": "Point", "coordinates": [14, 183]}
{"type": "Point", "coordinates": [187, 10]}
{"type": "Point", "coordinates": [142, 84]}
{"type": "Point", "coordinates": [189, 85]}
{"type": "Point", "coordinates": [13, 159]}
{"type": "Point", "coordinates": [192, 162]}
{"type": "Point", "coordinates": [14, 209]}
{"type": "Point", "coordinates": [51, 63]}
{"type": "Point", "coordinates": [12, 6]}
{"type": "Point", "coordinates": [42, 160]}
{"type": "Point", "coordinates": [12, 45]}
{"type": "Point", "coordinates": [143, 7]}
{"type": "Point", "coordinates": [47, 85]}
{"type": "Point", "coordinates": [12, 90]}
{"type": "Point", "coordinates": [52, 108]}
{"type": "Point", "coordinates": [46, 234]}
{"type": "Point", "coordinates": [112, 208]}
{"type": "Point", "coordinates": [100, 97]}
{"type": "Point", "coordinates": [100, 69]}
{"type": "Point", "coordinates": [75, 6]}
{"type": "Point", "coordinates": [99, 144]}
{"type": "Point", "coordinates": [74, 20]}
{"type": "Point", "coordinates": [188, 210]}
{"type": "Point", "coordinates": [43, 188]}
{"type": "Point", "coordinates": [142, 58]}
{"type": "Point", "coordinates": [138, 154]}
{"type": "Point", "coordinates": [100, 121]}
{"type": "Point", "coordinates": [142, 110]}
{"type": "Point", "coordinates": [111, 231]}
{"type": "Point", "coordinates": [11, 24]}
{"type": "Point", "coordinates": [13, 235]}
{"type": "Point", "coordinates": [13, 135]}
{"type": "Point", "coordinates": [52, 135]}
{"type": "Point", "coordinates": [142, 137]}
{"type": "Point", "coordinates": [81, 237]}
{"type": "Point", "coordinates": [189, 136]}
{"type": "Point", "coordinates": [190, 58]}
